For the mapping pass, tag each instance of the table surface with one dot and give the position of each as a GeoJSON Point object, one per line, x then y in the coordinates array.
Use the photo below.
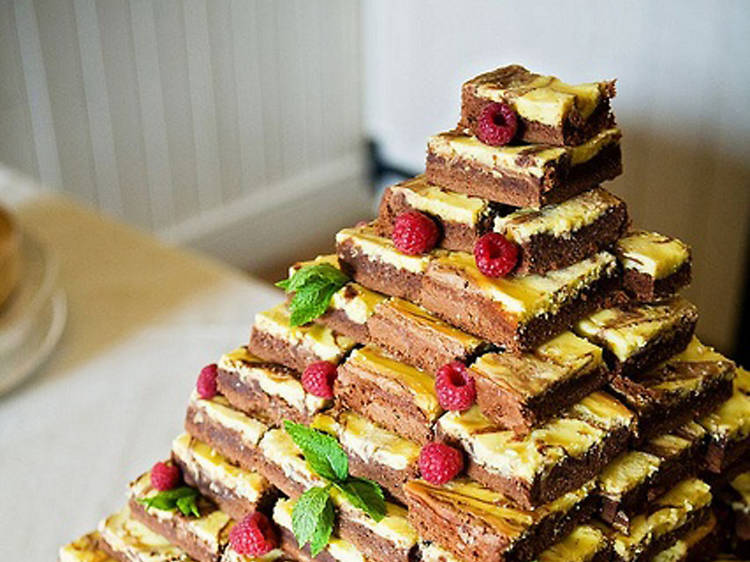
{"type": "Point", "coordinates": [143, 319]}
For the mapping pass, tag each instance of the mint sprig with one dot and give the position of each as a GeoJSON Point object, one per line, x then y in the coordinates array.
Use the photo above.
{"type": "Point", "coordinates": [312, 287]}
{"type": "Point", "coordinates": [182, 498]}
{"type": "Point", "coordinates": [312, 515]}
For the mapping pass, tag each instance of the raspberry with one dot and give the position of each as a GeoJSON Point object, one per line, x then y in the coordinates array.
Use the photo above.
{"type": "Point", "coordinates": [454, 387]}
{"type": "Point", "coordinates": [495, 255]}
{"type": "Point", "coordinates": [318, 379]}
{"type": "Point", "coordinates": [497, 124]}
{"type": "Point", "coordinates": [165, 476]}
{"type": "Point", "coordinates": [206, 384]}
{"type": "Point", "coordinates": [414, 233]}
{"type": "Point", "coordinates": [440, 463]}
{"type": "Point", "coordinates": [253, 536]}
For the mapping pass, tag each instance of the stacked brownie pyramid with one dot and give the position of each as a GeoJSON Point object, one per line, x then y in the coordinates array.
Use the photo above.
{"type": "Point", "coordinates": [498, 368]}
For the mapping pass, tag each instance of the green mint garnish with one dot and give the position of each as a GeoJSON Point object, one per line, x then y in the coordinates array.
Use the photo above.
{"type": "Point", "coordinates": [312, 516]}
{"type": "Point", "coordinates": [182, 498]}
{"type": "Point", "coordinates": [312, 288]}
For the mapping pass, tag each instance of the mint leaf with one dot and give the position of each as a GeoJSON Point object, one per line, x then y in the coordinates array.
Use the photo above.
{"type": "Point", "coordinates": [365, 495]}
{"type": "Point", "coordinates": [312, 286]}
{"type": "Point", "coordinates": [182, 498]}
{"type": "Point", "coordinates": [323, 529]}
{"type": "Point", "coordinates": [322, 452]}
{"type": "Point", "coordinates": [307, 514]}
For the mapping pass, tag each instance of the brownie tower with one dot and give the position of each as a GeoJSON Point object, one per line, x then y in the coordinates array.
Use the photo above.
{"type": "Point", "coordinates": [497, 368]}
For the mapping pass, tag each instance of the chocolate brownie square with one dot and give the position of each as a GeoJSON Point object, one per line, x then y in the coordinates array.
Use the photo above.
{"type": "Point", "coordinates": [702, 543]}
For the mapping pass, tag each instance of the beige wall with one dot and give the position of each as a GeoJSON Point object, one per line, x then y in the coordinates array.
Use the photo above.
{"type": "Point", "coordinates": [683, 99]}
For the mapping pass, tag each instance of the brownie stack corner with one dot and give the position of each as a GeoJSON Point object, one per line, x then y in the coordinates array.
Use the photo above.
{"type": "Point", "coordinates": [502, 310]}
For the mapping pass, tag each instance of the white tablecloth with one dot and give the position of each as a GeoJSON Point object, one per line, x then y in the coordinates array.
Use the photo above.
{"type": "Point", "coordinates": [143, 319]}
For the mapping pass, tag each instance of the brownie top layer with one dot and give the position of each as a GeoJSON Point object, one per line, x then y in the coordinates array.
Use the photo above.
{"type": "Point", "coordinates": [536, 97]}
{"type": "Point", "coordinates": [84, 549]}
{"type": "Point", "coordinates": [666, 514]}
{"type": "Point", "coordinates": [339, 549]}
{"type": "Point", "coordinates": [462, 496]}
{"type": "Point", "coordinates": [382, 370]}
{"type": "Point", "coordinates": [562, 358]}
{"type": "Point", "coordinates": [579, 429]}
{"type": "Point", "coordinates": [368, 441]}
{"type": "Point", "coordinates": [448, 205]}
{"type": "Point", "coordinates": [132, 539]}
{"type": "Point", "coordinates": [557, 220]}
{"type": "Point", "coordinates": [215, 467]}
{"type": "Point", "coordinates": [731, 420]}
{"type": "Point", "coordinates": [424, 319]}
{"type": "Point", "coordinates": [627, 330]}
{"type": "Point", "coordinates": [321, 340]}
{"type": "Point", "coordinates": [211, 528]}
{"type": "Point", "coordinates": [681, 549]}
{"type": "Point", "coordinates": [684, 374]}
{"type": "Point", "coordinates": [278, 448]}
{"type": "Point", "coordinates": [273, 379]}
{"type": "Point", "coordinates": [357, 302]}
{"type": "Point", "coordinates": [524, 296]}
{"type": "Point", "coordinates": [528, 160]}
{"type": "Point", "coordinates": [219, 410]}
{"type": "Point", "coordinates": [651, 253]}
{"type": "Point", "coordinates": [635, 467]}
{"type": "Point", "coordinates": [367, 241]}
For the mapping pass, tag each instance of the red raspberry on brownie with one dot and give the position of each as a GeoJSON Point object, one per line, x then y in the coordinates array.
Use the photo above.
{"type": "Point", "coordinates": [497, 124]}
{"type": "Point", "coordinates": [318, 377]}
{"type": "Point", "coordinates": [454, 387]}
{"type": "Point", "coordinates": [253, 536]}
{"type": "Point", "coordinates": [440, 463]}
{"type": "Point", "coordinates": [165, 476]}
{"type": "Point", "coordinates": [414, 233]}
{"type": "Point", "coordinates": [495, 255]}
{"type": "Point", "coordinates": [206, 384]}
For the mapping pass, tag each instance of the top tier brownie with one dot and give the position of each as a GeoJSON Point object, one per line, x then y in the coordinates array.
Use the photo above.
{"type": "Point", "coordinates": [548, 110]}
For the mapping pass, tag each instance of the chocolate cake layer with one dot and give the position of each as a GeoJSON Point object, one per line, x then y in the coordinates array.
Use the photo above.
{"type": "Point", "coordinates": [639, 476]}
{"type": "Point", "coordinates": [518, 313]}
{"type": "Point", "coordinates": [350, 306]}
{"type": "Point", "coordinates": [522, 392]}
{"type": "Point", "coordinates": [553, 459]}
{"type": "Point", "coordinates": [236, 491]}
{"type": "Point", "coordinates": [274, 339]}
{"type": "Point", "coordinates": [522, 176]}
{"type": "Point", "coordinates": [374, 453]}
{"type": "Point", "coordinates": [552, 237]}
{"type": "Point", "coordinates": [477, 524]}
{"type": "Point", "coordinates": [548, 110]}
{"type": "Point", "coordinates": [225, 429]}
{"type": "Point", "coordinates": [84, 549]}
{"type": "Point", "coordinates": [700, 544]}
{"type": "Point", "coordinates": [392, 394]}
{"type": "Point", "coordinates": [268, 391]}
{"type": "Point", "coordinates": [203, 537]}
{"type": "Point", "coordinates": [682, 509]}
{"type": "Point", "coordinates": [375, 262]}
{"type": "Point", "coordinates": [728, 427]}
{"type": "Point", "coordinates": [392, 539]}
{"type": "Point", "coordinates": [687, 386]}
{"type": "Point", "coordinates": [654, 266]}
{"type": "Point", "coordinates": [414, 336]}
{"type": "Point", "coordinates": [637, 337]}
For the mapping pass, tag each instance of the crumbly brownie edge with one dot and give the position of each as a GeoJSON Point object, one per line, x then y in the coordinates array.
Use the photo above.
{"type": "Point", "coordinates": [378, 276]}
{"type": "Point", "coordinates": [174, 532]}
{"type": "Point", "coordinates": [119, 556]}
{"type": "Point", "coordinates": [275, 475]}
{"type": "Point", "coordinates": [510, 412]}
{"type": "Point", "coordinates": [398, 414]}
{"type": "Point", "coordinates": [288, 543]}
{"type": "Point", "coordinates": [389, 478]}
{"type": "Point", "coordinates": [226, 441]}
{"type": "Point", "coordinates": [270, 348]}
{"type": "Point", "coordinates": [374, 547]}
{"type": "Point", "coordinates": [251, 399]}
{"type": "Point", "coordinates": [339, 322]}
{"type": "Point", "coordinates": [644, 288]}
{"type": "Point", "coordinates": [720, 455]}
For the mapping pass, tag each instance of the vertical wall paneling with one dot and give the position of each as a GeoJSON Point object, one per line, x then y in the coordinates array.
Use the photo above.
{"type": "Point", "coordinates": [97, 105]}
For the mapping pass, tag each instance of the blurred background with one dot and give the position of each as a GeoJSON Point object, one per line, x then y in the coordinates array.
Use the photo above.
{"type": "Point", "coordinates": [253, 129]}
